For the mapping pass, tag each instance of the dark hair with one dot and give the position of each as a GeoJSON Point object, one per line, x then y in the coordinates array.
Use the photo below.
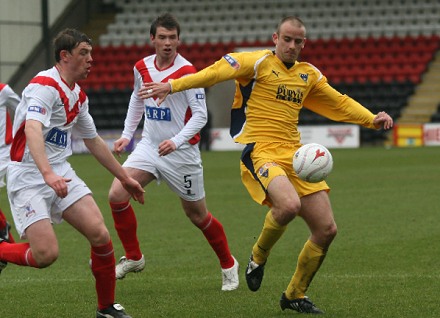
{"type": "Point", "coordinates": [292, 19]}
{"type": "Point", "coordinates": [167, 21]}
{"type": "Point", "coordinates": [68, 39]}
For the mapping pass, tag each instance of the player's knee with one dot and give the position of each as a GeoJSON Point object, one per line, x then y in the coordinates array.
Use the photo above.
{"type": "Point", "coordinates": [329, 233]}
{"type": "Point", "coordinates": [114, 196]}
{"type": "Point", "coordinates": [198, 218]}
{"type": "Point", "coordinates": [45, 257]}
{"type": "Point", "coordinates": [100, 236]}
{"type": "Point", "coordinates": [117, 193]}
{"type": "Point", "coordinates": [196, 211]}
{"type": "Point", "coordinates": [292, 205]}
{"type": "Point", "coordinates": [286, 211]}
{"type": "Point", "coordinates": [195, 219]}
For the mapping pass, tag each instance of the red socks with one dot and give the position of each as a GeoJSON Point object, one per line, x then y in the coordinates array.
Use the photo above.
{"type": "Point", "coordinates": [126, 226]}
{"type": "Point", "coordinates": [3, 225]}
{"type": "Point", "coordinates": [17, 253]}
{"type": "Point", "coordinates": [103, 268]}
{"type": "Point", "coordinates": [214, 233]}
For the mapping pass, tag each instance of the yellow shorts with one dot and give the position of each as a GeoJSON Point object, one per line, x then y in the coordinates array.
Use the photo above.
{"type": "Point", "coordinates": [262, 162]}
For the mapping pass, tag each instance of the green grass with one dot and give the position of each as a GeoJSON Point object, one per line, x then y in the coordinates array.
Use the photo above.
{"type": "Point", "coordinates": [383, 263]}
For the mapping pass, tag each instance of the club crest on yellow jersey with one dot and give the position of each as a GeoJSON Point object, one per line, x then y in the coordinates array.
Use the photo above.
{"type": "Point", "coordinates": [304, 77]}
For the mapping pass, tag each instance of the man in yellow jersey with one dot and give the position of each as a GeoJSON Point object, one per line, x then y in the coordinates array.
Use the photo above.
{"type": "Point", "coordinates": [271, 89]}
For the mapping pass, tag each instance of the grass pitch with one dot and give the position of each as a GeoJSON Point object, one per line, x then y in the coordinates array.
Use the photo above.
{"type": "Point", "coordinates": [383, 263]}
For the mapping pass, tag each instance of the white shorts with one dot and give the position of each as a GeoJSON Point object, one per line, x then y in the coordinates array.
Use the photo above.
{"type": "Point", "coordinates": [32, 200]}
{"type": "Point", "coordinates": [182, 169]}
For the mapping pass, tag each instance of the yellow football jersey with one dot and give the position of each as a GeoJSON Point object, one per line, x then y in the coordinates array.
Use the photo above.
{"type": "Point", "coordinates": [269, 96]}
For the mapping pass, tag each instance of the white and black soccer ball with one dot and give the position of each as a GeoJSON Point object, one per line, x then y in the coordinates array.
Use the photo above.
{"type": "Point", "coordinates": [312, 162]}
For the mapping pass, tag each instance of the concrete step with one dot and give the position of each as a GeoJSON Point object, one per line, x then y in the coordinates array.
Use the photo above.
{"type": "Point", "coordinates": [415, 120]}
{"type": "Point", "coordinates": [418, 99]}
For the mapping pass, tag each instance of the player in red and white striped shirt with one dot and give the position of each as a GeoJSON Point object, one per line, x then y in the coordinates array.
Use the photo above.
{"type": "Point", "coordinates": [43, 189]}
{"type": "Point", "coordinates": [168, 151]}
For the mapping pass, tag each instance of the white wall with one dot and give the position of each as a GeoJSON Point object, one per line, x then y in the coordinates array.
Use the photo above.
{"type": "Point", "coordinates": [21, 30]}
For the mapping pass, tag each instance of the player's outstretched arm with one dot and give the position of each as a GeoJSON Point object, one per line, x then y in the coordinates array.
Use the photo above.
{"type": "Point", "coordinates": [102, 153]}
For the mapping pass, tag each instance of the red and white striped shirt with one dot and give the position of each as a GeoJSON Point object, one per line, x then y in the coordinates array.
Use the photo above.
{"type": "Point", "coordinates": [179, 118]}
{"type": "Point", "coordinates": [49, 100]}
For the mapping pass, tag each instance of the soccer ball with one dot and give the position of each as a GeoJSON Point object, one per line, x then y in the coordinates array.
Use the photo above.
{"type": "Point", "coordinates": [312, 162]}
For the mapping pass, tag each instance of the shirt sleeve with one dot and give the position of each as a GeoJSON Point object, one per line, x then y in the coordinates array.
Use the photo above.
{"type": "Point", "coordinates": [12, 99]}
{"type": "Point", "coordinates": [199, 116]}
{"type": "Point", "coordinates": [328, 102]}
{"type": "Point", "coordinates": [135, 109]}
{"type": "Point", "coordinates": [40, 100]}
{"type": "Point", "coordinates": [230, 66]}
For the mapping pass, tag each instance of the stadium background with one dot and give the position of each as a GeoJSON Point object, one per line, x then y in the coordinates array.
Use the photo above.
{"type": "Point", "coordinates": [382, 53]}
{"type": "Point", "coordinates": [384, 262]}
